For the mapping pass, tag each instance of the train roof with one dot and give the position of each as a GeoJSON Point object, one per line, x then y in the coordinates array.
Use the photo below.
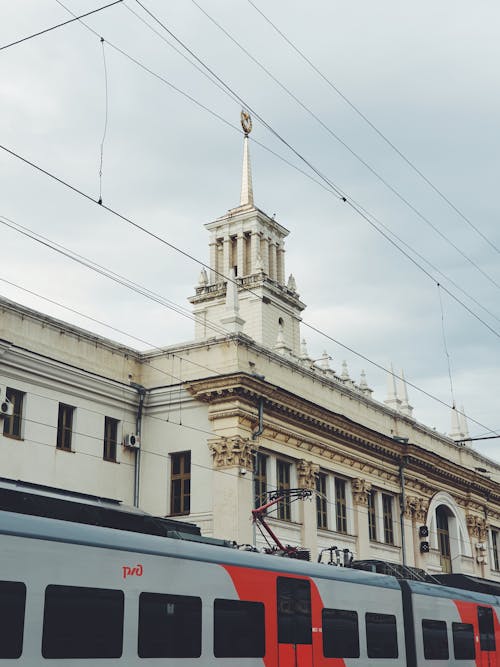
{"type": "Point", "coordinates": [445, 590]}
{"type": "Point", "coordinates": [57, 530]}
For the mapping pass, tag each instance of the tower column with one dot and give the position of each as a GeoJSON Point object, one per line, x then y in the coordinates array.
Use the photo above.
{"type": "Point", "coordinates": [226, 263]}
{"type": "Point", "coordinates": [213, 260]}
{"type": "Point", "coordinates": [264, 253]}
{"type": "Point", "coordinates": [273, 272]}
{"type": "Point", "coordinates": [240, 254]}
{"type": "Point", "coordinates": [280, 262]}
{"type": "Point", "coordinates": [254, 250]}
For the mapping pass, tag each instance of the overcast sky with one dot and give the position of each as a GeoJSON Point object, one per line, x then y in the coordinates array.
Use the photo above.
{"type": "Point", "coordinates": [425, 74]}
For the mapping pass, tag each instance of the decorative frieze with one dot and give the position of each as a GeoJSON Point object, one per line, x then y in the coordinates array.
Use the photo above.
{"type": "Point", "coordinates": [360, 491]}
{"type": "Point", "coordinates": [307, 473]}
{"type": "Point", "coordinates": [233, 452]}
{"type": "Point", "coordinates": [477, 527]}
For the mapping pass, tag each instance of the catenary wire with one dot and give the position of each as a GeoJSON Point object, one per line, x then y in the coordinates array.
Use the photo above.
{"type": "Point", "coordinates": [59, 25]}
{"type": "Point", "coordinates": [332, 189]}
{"type": "Point", "coordinates": [445, 346]}
{"type": "Point", "coordinates": [358, 157]}
{"type": "Point", "coordinates": [188, 255]}
{"type": "Point", "coordinates": [105, 129]}
{"type": "Point", "coordinates": [384, 137]}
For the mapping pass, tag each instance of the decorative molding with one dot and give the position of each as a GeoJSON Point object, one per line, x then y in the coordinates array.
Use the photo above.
{"type": "Point", "coordinates": [360, 491]}
{"type": "Point", "coordinates": [417, 508]}
{"type": "Point", "coordinates": [307, 472]}
{"type": "Point", "coordinates": [235, 452]}
{"type": "Point", "coordinates": [477, 527]}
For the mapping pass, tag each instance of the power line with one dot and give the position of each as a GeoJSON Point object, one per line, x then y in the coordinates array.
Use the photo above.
{"type": "Point", "coordinates": [347, 147]}
{"type": "Point", "coordinates": [326, 184]}
{"type": "Point", "coordinates": [59, 25]}
{"type": "Point", "coordinates": [375, 128]}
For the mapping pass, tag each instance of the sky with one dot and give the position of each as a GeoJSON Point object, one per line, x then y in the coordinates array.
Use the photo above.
{"type": "Point", "coordinates": [425, 75]}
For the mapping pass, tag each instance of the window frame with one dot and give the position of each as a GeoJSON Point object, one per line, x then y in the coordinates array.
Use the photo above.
{"type": "Point", "coordinates": [260, 480]}
{"type": "Point", "coordinates": [388, 518]}
{"type": "Point", "coordinates": [257, 612]}
{"type": "Point", "coordinates": [16, 617]}
{"type": "Point", "coordinates": [321, 501]}
{"type": "Point", "coordinates": [327, 644]}
{"type": "Point", "coordinates": [371, 635]}
{"type": "Point", "coordinates": [283, 482]}
{"type": "Point", "coordinates": [341, 505]}
{"type": "Point", "coordinates": [66, 414]}
{"type": "Point", "coordinates": [432, 629]}
{"type": "Point", "coordinates": [110, 442]}
{"type": "Point", "coordinates": [495, 543]}
{"type": "Point", "coordinates": [471, 641]}
{"type": "Point", "coordinates": [372, 515]}
{"type": "Point", "coordinates": [16, 397]}
{"type": "Point", "coordinates": [183, 506]}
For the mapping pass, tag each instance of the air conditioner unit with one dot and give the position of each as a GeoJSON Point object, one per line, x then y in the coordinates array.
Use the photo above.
{"type": "Point", "coordinates": [6, 407]}
{"type": "Point", "coordinates": [132, 441]}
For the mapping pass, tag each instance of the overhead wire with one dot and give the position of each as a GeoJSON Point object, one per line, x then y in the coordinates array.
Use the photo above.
{"type": "Point", "coordinates": [324, 183]}
{"type": "Point", "coordinates": [105, 129]}
{"type": "Point", "coordinates": [59, 25]}
{"type": "Point", "coordinates": [384, 137]}
{"type": "Point", "coordinates": [358, 157]}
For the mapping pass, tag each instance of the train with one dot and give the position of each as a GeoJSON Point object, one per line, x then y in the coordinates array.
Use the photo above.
{"type": "Point", "coordinates": [74, 588]}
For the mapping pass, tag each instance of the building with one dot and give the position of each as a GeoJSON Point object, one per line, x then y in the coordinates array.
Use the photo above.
{"type": "Point", "coordinates": [239, 411]}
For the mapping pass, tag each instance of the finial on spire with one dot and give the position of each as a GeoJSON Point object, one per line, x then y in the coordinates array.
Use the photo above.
{"type": "Point", "coordinates": [246, 198]}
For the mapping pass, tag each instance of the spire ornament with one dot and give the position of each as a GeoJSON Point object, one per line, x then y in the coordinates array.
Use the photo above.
{"type": "Point", "coordinates": [246, 122]}
{"type": "Point", "coordinates": [246, 196]}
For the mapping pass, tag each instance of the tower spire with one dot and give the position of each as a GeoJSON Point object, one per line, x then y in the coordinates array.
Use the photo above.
{"type": "Point", "coordinates": [246, 197]}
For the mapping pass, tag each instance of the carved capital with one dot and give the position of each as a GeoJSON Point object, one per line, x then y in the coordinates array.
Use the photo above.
{"type": "Point", "coordinates": [307, 473]}
{"type": "Point", "coordinates": [233, 452]}
{"type": "Point", "coordinates": [360, 490]}
{"type": "Point", "coordinates": [416, 507]}
{"type": "Point", "coordinates": [477, 527]}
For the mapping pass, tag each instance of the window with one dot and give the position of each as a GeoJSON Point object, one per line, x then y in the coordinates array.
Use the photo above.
{"type": "Point", "coordinates": [239, 629]}
{"type": "Point", "coordinates": [12, 424]}
{"type": "Point", "coordinates": [169, 626]}
{"type": "Point", "coordinates": [495, 543]}
{"type": "Point", "coordinates": [486, 628]}
{"type": "Point", "coordinates": [341, 505]}
{"type": "Point", "coordinates": [435, 638]}
{"type": "Point", "coordinates": [294, 611]}
{"type": "Point", "coordinates": [321, 501]}
{"type": "Point", "coordinates": [65, 426]}
{"type": "Point", "coordinates": [463, 641]}
{"type": "Point", "coordinates": [180, 488]}
{"type": "Point", "coordinates": [12, 604]}
{"type": "Point", "coordinates": [387, 518]}
{"type": "Point", "coordinates": [82, 622]}
{"type": "Point", "coordinates": [381, 636]}
{"type": "Point", "coordinates": [260, 480]}
{"type": "Point", "coordinates": [443, 535]}
{"type": "Point", "coordinates": [372, 515]}
{"type": "Point", "coordinates": [110, 438]}
{"type": "Point", "coordinates": [340, 633]}
{"type": "Point", "coordinates": [283, 483]}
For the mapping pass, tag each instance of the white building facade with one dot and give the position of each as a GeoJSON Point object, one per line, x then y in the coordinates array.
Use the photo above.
{"type": "Point", "coordinates": [238, 412]}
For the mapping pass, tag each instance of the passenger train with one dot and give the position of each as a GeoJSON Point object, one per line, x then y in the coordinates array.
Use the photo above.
{"type": "Point", "coordinates": [72, 593]}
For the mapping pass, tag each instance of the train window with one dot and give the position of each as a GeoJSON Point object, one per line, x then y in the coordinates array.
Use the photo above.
{"type": "Point", "coordinates": [169, 626]}
{"type": "Point", "coordinates": [12, 604]}
{"type": "Point", "coordinates": [381, 636]}
{"type": "Point", "coordinates": [463, 641]}
{"type": "Point", "coordinates": [239, 629]}
{"type": "Point", "coordinates": [294, 611]}
{"type": "Point", "coordinates": [486, 628]}
{"type": "Point", "coordinates": [435, 638]}
{"type": "Point", "coordinates": [340, 633]}
{"type": "Point", "coordinates": [82, 622]}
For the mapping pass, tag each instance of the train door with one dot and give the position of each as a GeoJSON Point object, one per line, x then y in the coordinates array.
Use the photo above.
{"type": "Point", "coordinates": [487, 644]}
{"type": "Point", "coordinates": [293, 597]}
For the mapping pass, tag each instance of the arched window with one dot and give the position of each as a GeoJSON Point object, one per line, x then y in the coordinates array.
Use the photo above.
{"type": "Point", "coordinates": [443, 537]}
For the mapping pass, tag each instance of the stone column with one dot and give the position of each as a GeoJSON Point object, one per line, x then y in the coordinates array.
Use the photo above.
{"type": "Point", "coordinates": [280, 260]}
{"type": "Point", "coordinates": [254, 251]}
{"type": "Point", "coordinates": [273, 269]}
{"type": "Point", "coordinates": [233, 488]}
{"type": "Point", "coordinates": [240, 254]}
{"type": "Point", "coordinates": [478, 532]}
{"type": "Point", "coordinates": [264, 253]}
{"type": "Point", "coordinates": [360, 490]}
{"type": "Point", "coordinates": [418, 507]}
{"type": "Point", "coordinates": [227, 256]}
{"type": "Point", "coordinates": [213, 259]}
{"type": "Point", "coordinates": [409, 532]}
{"type": "Point", "coordinates": [307, 472]}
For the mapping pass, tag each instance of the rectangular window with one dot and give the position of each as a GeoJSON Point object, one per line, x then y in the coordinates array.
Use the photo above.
{"type": "Point", "coordinates": [12, 605]}
{"type": "Point", "coordinates": [169, 626]}
{"type": "Point", "coordinates": [381, 636]}
{"type": "Point", "coordinates": [65, 426]}
{"type": "Point", "coordinates": [321, 500]}
{"type": "Point", "coordinates": [372, 515]}
{"type": "Point", "coordinates": [341, 505]}
{"type": "Point", "coordinates": [294, 611]}
{"type": "Point", "coordinates": [495, 543]}
{"type": "Point", "coordinates": [463, 641]}
{"type": "Point", "coordinates": [283, 484]}
{"type": "Point", "coordinates": [388, 519]}
{"type": "Point", "coordinates": [435, 638]}
{"type": "Point", "coordinates": [239, 629]}
{"type": "Point", "coordinates": [486, 628]}
{"type": "Point", "coordinates": [82, 622]}
{"type": "Point", "coordinates": [180, 486]}
{"type": "Point", "coordinates": [260, 480]}
{"type": "Point", "coordinates": [12, 424]}
{"type": "Point", "coordinates": [340, 633]}
{"type": "Point", "coordinates": [110, 438]}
